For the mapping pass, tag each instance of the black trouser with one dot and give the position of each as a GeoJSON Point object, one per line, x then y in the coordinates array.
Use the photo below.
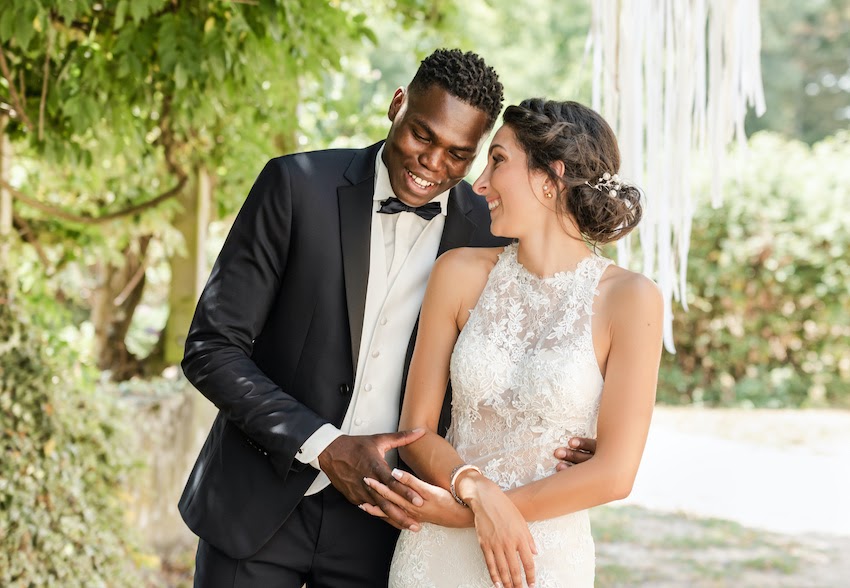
{"type": "Point", "coordinates": [326, 542]}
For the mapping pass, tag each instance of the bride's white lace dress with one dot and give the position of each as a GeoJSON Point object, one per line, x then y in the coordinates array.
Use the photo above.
{"type": "Point", "coordinates": [524, 379]}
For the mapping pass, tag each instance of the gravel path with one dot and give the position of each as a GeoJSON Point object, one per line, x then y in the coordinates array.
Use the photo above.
{"type": "Point", "coordinates": [783, 471]}
{"type": "Point", "coordinates": [733, 498]}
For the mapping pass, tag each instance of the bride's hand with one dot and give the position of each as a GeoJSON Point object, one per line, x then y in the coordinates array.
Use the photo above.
{"type": "Point", "coordinates": [502, 532]}
{"type": "Point", "coordinates": [438, 505]}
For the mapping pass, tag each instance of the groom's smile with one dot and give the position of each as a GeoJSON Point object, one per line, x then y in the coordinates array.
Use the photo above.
{"type": "Point", "coordinates": [433, 140]}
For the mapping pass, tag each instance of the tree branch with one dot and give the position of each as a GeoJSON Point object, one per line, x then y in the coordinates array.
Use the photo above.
{"type": "Point", "coordinates": [46, 75]}
{"type": "Point", "coordinates": [168, 143]}
{"type": "Point", "coordinates": [94, 220]}
{"type": "Point", "coordinates": [131, 285]}
{"type": "Point", "coordinates": [28, 235]}
{"type": "Point", "coordinates": [166, 137]}
{"type": "Point", "coordinates": [16, 99]}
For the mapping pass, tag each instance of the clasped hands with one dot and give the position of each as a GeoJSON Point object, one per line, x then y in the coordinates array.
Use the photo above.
{"type": "Point", "coordinates": [350, 459]}
{"type": "Point", "coordinates": [356, 466]}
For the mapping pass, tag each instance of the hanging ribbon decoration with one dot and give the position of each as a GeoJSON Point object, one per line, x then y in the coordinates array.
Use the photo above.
{"type": "Point", "coordinates": [674, 78]}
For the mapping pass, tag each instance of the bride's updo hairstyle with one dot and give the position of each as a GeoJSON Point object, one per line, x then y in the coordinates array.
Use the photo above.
{"type": "Point", "coordinates": [604, 207]}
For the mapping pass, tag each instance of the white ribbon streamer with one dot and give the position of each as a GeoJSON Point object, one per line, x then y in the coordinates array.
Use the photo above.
{"type": "Point", "coordinates": [674, 78]}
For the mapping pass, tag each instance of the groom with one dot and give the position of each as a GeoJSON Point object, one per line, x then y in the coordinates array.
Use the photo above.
{"type": "Point", "coordinates": [302, 338]}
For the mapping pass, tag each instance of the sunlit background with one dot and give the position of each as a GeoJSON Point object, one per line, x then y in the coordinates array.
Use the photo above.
{"type": "Point", "coordinates": [132, 132]}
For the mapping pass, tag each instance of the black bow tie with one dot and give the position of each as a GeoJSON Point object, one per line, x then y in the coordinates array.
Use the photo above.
{"type": "Point", "coordinates": [426, 211]}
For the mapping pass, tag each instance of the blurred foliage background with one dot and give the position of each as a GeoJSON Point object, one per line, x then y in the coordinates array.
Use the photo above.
{"type": "Point", "coordinates": [132, 130]}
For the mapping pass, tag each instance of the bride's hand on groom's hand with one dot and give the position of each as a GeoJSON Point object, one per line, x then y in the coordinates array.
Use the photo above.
{"type": "Point", "coordinates": [438, 508]}
{"type": "Point", "coordinates": [349, 459]}
{"type": "Point", "coordinates": [503, 533]}
{"type": "Point", "coordinates": [578, 450]}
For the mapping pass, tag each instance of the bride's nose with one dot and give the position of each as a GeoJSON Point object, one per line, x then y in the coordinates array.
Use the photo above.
{"type": "Point", "coordinates": [480, 185]}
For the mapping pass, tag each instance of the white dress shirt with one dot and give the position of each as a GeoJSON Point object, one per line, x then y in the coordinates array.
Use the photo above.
{"type": "Point", "coordinates": [402, 253]}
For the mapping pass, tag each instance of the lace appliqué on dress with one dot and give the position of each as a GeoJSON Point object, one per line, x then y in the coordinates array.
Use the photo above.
{"type": "Point", "coordinates": [524, 379]}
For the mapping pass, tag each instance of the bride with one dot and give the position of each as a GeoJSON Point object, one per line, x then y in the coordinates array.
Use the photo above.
{"type": "Point", "coordinates": [543, 340]}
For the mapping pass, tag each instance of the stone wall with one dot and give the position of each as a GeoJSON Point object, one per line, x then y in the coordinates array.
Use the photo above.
{"type": "Point", "coordinates": [171, 426]}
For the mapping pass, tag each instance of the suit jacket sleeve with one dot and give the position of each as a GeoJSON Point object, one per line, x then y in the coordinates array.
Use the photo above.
{"type": "Point", "coordinates": [231, 313]}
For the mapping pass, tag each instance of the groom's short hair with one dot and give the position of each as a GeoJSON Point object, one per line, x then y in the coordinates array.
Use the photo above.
{"type": "Point", "coordinates": [465, 76]}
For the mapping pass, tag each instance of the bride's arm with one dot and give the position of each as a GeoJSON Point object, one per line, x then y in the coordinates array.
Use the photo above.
{"type": "Point", "coordinates": [455, 285]}
{"type": "Point", "coordinates": [431, 457]}
{"type": "Point", "coordinates": [456, 282]}
{"type": "Point", "coordinates": [625, 412]}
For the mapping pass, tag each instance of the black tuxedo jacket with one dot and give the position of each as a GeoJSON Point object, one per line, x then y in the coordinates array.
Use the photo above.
{"type": "Point", "coordinates": [276, 334]}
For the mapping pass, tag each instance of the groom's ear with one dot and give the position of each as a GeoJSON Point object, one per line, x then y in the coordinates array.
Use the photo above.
{"type": "Point", "coordinates": [397, 102]}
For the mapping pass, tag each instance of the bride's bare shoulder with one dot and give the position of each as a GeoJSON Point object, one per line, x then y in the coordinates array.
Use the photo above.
{"type": "Point", "coordinates": [468, 264]}
{"type": "Point", "coordinates": [630, 296]}
{"type": "Point", "coordinates": [459, 277]}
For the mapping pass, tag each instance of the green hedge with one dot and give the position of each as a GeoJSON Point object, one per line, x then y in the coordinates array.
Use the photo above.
{"type": "Point", "coordinates": [769, 283]}
{"type": "Point", "coordinates": [64, 463]}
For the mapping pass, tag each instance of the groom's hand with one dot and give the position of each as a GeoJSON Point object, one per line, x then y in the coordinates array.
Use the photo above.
{"type": "Point", "coordinates": [578, 450]}
{"type": "Point", "coordinates": [352, 458]}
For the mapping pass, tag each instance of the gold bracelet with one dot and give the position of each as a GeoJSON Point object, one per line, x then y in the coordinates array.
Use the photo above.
{"type": "Point", "coordinates": [455, 473]}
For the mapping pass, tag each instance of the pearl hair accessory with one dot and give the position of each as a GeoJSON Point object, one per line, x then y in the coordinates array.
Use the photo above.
{"type": "Point", "coordinates": [608, 183]}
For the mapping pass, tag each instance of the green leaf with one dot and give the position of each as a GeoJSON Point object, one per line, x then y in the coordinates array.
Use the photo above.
{"type": "Point", "coordinates": [215, 64]}
{"type": "Point", "coordinates": [25, 25]}
{"type": "Point", "coordinates": [68, 11]}
{"type": "Point", "coordinates": [180, 77]}
{"type": "Point", "coordinates": [139, 10]}
{"type": "Point", "coordinates": [120, 14]}
{"type": "Point", "coordinates": [7, 25]}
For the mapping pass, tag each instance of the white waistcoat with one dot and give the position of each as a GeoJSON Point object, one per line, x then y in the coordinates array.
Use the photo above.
{"type": "Point", "coordinates": [393, 299]}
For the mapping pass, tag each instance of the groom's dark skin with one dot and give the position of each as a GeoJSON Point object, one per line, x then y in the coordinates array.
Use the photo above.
{"type": "Point", "coordinates": [578, 450]}
{"type": "Point", "coordinates": [436, 136]}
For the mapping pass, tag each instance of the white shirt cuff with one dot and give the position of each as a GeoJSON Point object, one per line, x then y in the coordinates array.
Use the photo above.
{"type": "Point", "coordinates": [316, 444]}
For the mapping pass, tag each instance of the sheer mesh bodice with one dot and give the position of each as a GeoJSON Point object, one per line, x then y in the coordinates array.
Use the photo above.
{"type": "Point", "coordinates": [524, 378]}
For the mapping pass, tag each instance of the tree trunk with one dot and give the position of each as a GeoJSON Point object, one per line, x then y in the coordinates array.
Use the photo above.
{"type": "Point", "coordinates": [189, 271]}
{"type": "Point", "coordinates": [114, 302]}
{"type": "Point", "coordinates": [5, 201]}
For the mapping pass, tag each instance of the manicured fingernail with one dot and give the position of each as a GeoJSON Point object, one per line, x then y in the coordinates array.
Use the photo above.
{"type": "Point", "coordinates": [414, 527]}
{"type": "Point", "coordinates": [418, 501]}
{"type": "Point", "coordinates": [498, 585]}
{"type": "Point", "coordinates": [362, 506]}
{"type": "Point", "coordinates": [573, 442]}
{"type": "Point", "coordinates": [396, 474]}
{"type": "Point", "coordinates": [560, 454]}
{"type": "Point", "coordinates": [368, 481]}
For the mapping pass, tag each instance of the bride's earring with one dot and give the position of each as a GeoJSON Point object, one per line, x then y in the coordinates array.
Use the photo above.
{"type": "Point", "coordinates": [546, 191]}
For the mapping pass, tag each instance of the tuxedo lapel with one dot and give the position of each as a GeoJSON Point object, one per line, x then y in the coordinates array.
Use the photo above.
{"type": "Point", "coordinates": [459, 227]}
{"type": "Point", "coordinates": [457, 232]}
{"type": "Point", "coordinates": [355, 219]}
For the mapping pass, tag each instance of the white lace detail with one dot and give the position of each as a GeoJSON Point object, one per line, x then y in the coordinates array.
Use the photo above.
{"type": "Point", "coordinates": [524, 379]}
